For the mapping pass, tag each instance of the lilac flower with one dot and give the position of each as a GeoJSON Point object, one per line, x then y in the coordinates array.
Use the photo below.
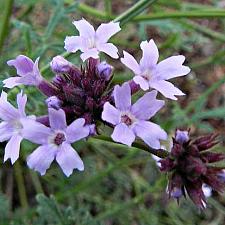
{"type": "Point", "coordinates": [91, 42]}
{"type": "Point", "coordinates": [55, 143]}
{"type": "Point", "coordinates": [27, 70]}
{"type": "Point", "coordinates": [131, 120]}
{"type": "Point", "coordinates": [149, 74]}
{"type": "Point", "coordinates": [11, 127]}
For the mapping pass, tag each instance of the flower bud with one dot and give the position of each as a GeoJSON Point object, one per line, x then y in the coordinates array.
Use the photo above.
{"type": "Point", "coordinates": [60, 65]}
{"type": "Point", "coordinates": [53, 102]}
{"type": "Point", "coordinates": [181, 136]}
{"type": "Point", "coordinates": [104, 70]}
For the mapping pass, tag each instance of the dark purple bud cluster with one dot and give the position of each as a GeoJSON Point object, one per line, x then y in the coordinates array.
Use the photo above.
{"type": "Point", "coordinates": [81, 93]}
{"type": "Point", "coordinates": [189, 166]}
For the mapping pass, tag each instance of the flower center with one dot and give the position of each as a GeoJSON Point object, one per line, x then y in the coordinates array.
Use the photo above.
{"type": "Point", "coordinates": [147, 75]}
{"type": "Point", "coordinates": [59, 138]}
{"type": "Point", "coordinates": [91, 43]}
{"type": "Point", "coordinates": [127, 118]}
{"type": "Point", "coordinates": [17, 125]}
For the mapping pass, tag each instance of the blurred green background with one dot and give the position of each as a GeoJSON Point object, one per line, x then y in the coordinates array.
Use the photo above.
{"type": "Point", "coordinates": [120, 185]}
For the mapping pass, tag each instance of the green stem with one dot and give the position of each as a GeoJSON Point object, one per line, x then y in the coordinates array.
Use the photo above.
{"type": "Point", "coordinates": [158, 152]}
{"type": "Point", "coordinates": [177, 15]}
{"type": "Point", "coordinates": [153, 16]}
{"type": "Point", "coordinates": [108, 7]}
{"type": "Point", "coordinates": [36, 182]}
{"type": "Point", "coordinates": [21, 186]}
{"type": "Point", "coordinates": [6, 13]}
{"type": "Point", "coordinates": [94, 12]}
{"type": "Point", "coordinates": [133, 11]}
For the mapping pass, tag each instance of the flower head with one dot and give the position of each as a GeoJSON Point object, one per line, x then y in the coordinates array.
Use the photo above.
{"type": "Point", "coordinates": [27, 70]}
{"type": "Point", "coordinates": [91, 42]}
{"type": "Point", "coordinates": [131, 120]}
{"type": "Point", "coordinates": [11, 128]}
{"type": "Point", "coordinates": [55, 142]}
{"type": "Point", "coordinates": [81, 93]}
{"type": "Point", "coordinates": [149, 74]}
{"type": "Point", "coordinates": [190, 169]}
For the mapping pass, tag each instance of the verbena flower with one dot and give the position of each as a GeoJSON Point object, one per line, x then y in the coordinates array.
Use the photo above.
{"type": "Point", "coordinates": [149, 74]}
{"type": "Point", "coordinates": [55, 143]}
{"type": "Point", "coordinates": [131, 120]}
{"type": "Point", "coordinates": [27, 70]}
{"type": "Point", "coordinates": [11, 128]}
{"type": "Point", "coordinates": [80, 92]}
{"type": "Point", "coordinates": [189, 166]}
{"type": "Point", "coordinates": [91, 42]}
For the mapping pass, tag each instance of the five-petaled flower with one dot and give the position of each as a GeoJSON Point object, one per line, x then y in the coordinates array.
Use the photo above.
{"type": "Point", "coordinates": [11, 127]}
{"type": "Point", "coordinates": [91, 42]}
{"type": "Point", "coordinates": [27, 70]}
{"type": "Point", "coordinates": [149, 74]}
{"type": "Point", "coordinates": [131, 120]}
{"type": "Point", "coordinates": [55, 142]}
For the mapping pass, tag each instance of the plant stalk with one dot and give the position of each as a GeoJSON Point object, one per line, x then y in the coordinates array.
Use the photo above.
{"type": "Point", "coordinates": [20, 185]}
{"type": "Point", "coordinates": [157, 152]}
{"type": "Point", "coordinates": [6, 13]}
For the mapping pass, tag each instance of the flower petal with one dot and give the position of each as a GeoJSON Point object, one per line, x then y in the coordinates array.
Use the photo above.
{"type": "Point", "coordinates": [147, 106]}
{"type": "Point", "coordinates": [11, 82]}
{"type": "Point", "coordinates": [32, 78]}
{"type": "Point", "coordinates": [171, 67]}
{"type": "Point", "coordinates": [109, 49]}
{"type": "Point", "coordinates": [6, 131]}
{"type": "Point", "coordinates": [129, 61]}
{"type": "Point", "coordinates": [150, 54]}
{"type": "Point", "coordinates": [150, 133]}
{"type": "Point", "coordinates": [110, 114]}
{"type": "Point", "coordinates": [21, 102]}
{"type": "Point", "coordinates": [35, 131]}
{"type": "Point", "coordinates": [90, 53]}
{"type": "Point", "coordinates": [107, 30]}
{"type": "Point", "coordinates": [76, 130]}
{"type": "Point", "coordinates": [12, 148]}
{"type": "Point", "coordinates": [23, 64]}
{"type": "Point", "coordinates": [41, 159]}
{"type": "Point", "coordinates": [36, 72]}
{"type": "Point", "coordinates": [7, 111]}
{"type": "Point", "coordinates": [123, 134]}
{"type": "Point", "coordinates": [57, 119]}
{"type": "Point", "coordinates": [85, 29]}
{"type": "Point", "coordinates": [166, 88]}
{"type": "Point", "coordinates": [68, 159]}
{"type": "Point", "coordinates": [122, 97]}
{"type": "Point", "coordinates": [73, 43]}
{"type": "Point", "coordinates": [142, 82]}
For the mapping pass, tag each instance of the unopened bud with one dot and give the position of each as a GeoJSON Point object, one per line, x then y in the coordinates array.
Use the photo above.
{"type": "Point", "coordinates": [60, 65]}
{"type": "Point", "coordinates": [176, 192]}
{"type": "Point", "coordinates": [181, 136]}
{"type": "Point", "coordinates": [53, 102]}
{"type": "Point", "coordinates": [104, 70]}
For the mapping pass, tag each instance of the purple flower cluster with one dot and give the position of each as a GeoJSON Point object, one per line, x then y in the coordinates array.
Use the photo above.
{"type": "Point", "coordinates": [80, 98]}
{"type": "Point", "coordinates": [190, 167]}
